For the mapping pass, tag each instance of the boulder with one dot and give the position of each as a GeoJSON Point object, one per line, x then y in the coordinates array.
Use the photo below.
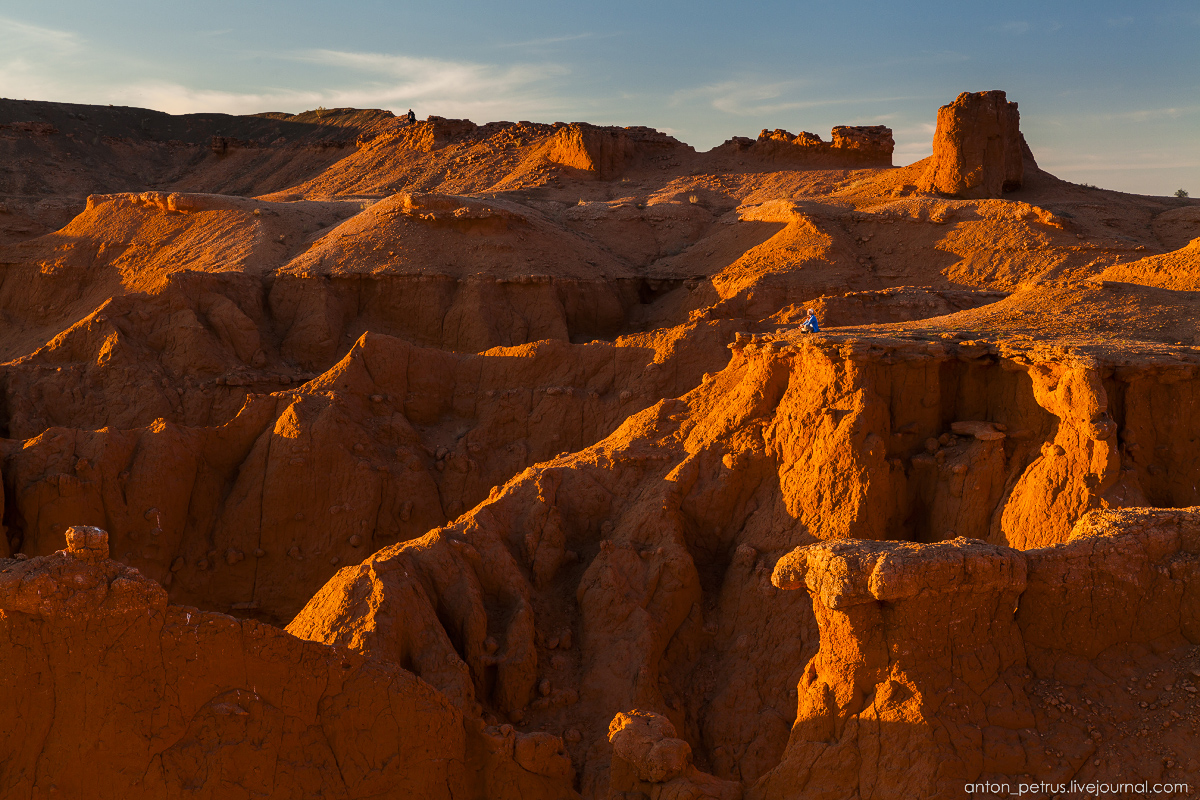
{"type": "Point", "coordinates": [648, 758]}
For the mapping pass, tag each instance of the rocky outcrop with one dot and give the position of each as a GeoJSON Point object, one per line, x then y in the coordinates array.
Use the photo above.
{"type": "Point", "coordinates": [1125, 576]}
{"type": "Point", "coordinates": [932, 463]}
{"type": "Point", "coordinates": [602, 151]}
{"type": "Point", "coordinates": [949, 665]}
{"type": "Point", "coordinates": [918, 688]}
{"type": "Point", "coordinates": [432, 133]}
{"type": "Point", "coordinates": [634, 573]}
{"type": "Point", "coordinates": [872, 140]}
{"type": "Point", "coordinates": [574, 592]}
{"type": "Point", "coordinates": [799, 439]}
{"type": "Point", "coordinates": [460, 395]}
{"type": "Point", "coordinates": [978, 149]}
{"type": "Point", "coordinates": [850, 146]}
{"type": "Point", "coordinates": [607, 151]}
{"type": "Point", "coordinates": [86, 543]}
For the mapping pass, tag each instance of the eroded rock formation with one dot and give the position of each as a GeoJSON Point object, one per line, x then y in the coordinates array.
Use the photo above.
{"type": "Point", "coordinates": [947, 665]}
{"type": "Point", "coordinates": [511, 425]}
{"type": "Point", "coordinates": [849, 146]}
{"type": "Point", "coordinates": [978, 149]}
{"type": "Point", "coordinates": [606, 152]}
{"type": "Point", "coordinates": [118, 694]}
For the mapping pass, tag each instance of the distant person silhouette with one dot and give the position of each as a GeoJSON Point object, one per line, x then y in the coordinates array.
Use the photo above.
{"type": "Point", "coordinates": [411, 117]}
{"type": "Point", "coordinates": [811, 325]}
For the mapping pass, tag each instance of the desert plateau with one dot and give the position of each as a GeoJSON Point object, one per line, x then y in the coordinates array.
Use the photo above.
{"type": "Point", "coordinates": [348, 456]}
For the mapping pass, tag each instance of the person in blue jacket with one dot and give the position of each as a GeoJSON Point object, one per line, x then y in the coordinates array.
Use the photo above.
{"type": "Point", "coordinates": [811, 325]}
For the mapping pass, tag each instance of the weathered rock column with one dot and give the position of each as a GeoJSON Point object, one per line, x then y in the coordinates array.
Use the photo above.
{"type": "Point", "coordinates": [978, 150]}
{"type": "Point", "coordinates": [918, 687]}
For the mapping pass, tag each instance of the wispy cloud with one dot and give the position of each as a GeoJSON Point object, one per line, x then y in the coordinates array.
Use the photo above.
{"type": "Point", "coordinates": [425, 76]}
{"type": "Point", "coordinates": [1148, 114]}
{"type": "Point", "coordinates": [745, 97]}
{"type": "Point", "coordinates": [361, 79]}
{"type": "Point", "coordinates": [752, 97]}
{"type": "Point", "coordinates": [456, 86]}
{"type": "Point", "coordinates": [1022, 27]}
{"type": "Point", "coordinates": [16, 36]}
{"type": "Point", "coordinates": [574, 37]}
{"type": "Point", "coordinates": [24, 50]}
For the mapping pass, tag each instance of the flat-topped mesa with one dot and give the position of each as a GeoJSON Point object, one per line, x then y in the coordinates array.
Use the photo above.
{"type": "Point", "coordinates": [607, 151]}
{"type": "Point", "coordinates": [867, 138]}
{"type": "Point", "coordinates": [978, 149]}
{"type": "Point", "coordinates": [851, 146]}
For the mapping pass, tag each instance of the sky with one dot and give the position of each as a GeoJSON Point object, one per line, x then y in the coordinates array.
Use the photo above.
{"type": "Point", "coordinates": [1109, 92]}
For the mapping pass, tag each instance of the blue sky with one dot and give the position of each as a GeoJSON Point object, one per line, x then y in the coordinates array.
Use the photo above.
{"type": "Point", "coordinates": [1109, 92]}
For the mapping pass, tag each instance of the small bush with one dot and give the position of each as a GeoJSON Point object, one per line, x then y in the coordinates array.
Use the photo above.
{"type": "Point", "coordinates": [1181, 193]}
{"type": "Point", "coordinates": [693, 199]}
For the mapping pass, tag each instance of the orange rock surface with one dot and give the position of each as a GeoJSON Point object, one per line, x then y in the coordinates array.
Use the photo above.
{"type": "Point", "coordinates": [978, 149]}
{"type": "Point", "coordinates": [460, 460]}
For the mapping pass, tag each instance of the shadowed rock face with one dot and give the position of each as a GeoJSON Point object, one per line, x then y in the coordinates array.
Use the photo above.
{"type": "Point", "coordinates": [978, 150]}
{"type": "Point", "coordinates": [220, 706]}
{"type": "Point", "coordinates": [511, 424]}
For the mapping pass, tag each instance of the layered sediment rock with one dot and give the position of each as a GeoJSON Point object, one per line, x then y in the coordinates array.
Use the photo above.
{"type": "Point", "coordinates": [978, 149]}
{"type": "Point", "coordinates": [936, 439]}
{"type": "Point", "coordinates": [390, 442]}
{"type": "Point", "coordinates": [849, 146]}
{"type": "Point", "coordinates": [918, 688]}
{"type": "Point", "coordinates": [798, 440]}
